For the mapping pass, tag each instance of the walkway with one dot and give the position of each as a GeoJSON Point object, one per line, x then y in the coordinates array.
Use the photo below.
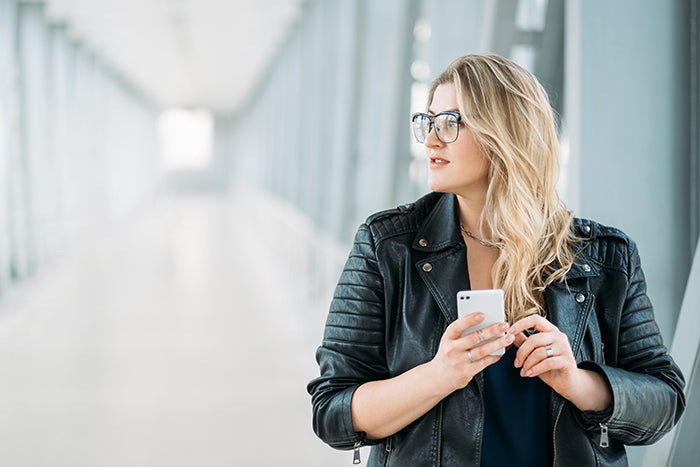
{"type": "Point", "coordinates": [172, 341]}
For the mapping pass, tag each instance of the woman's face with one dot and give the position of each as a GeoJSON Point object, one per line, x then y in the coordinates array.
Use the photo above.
{"type": "Point", "coordinates": [458, 167]}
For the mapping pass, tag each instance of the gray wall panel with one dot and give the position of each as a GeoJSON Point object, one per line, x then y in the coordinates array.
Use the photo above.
{"type": "Point", "coordinates": [634, 138]}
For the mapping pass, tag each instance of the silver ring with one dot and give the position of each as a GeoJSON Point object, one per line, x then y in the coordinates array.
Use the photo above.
{"type": "Point", "coordinates": [549, 350]}
{"type": "Point", "coordinates": [480, 335]}
{"type": "Point", "coordinates": [469, 354]}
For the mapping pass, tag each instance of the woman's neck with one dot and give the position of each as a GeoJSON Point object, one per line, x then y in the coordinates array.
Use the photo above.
{"type": "Point", "coordinates": [470, 210]}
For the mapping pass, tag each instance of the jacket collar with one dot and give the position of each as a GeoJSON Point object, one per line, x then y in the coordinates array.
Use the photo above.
{"type": "Point", "coordinates": [444, 270]}
{"type": "Point", "coordinates": [440, 229]}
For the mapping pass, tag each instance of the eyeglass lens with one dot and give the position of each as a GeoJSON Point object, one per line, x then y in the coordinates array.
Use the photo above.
{"type": "Point", "coordinates": [446, 127]}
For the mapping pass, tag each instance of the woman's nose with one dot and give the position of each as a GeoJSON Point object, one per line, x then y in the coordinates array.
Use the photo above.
{"type": "Point", "coordinates": [431, 139]}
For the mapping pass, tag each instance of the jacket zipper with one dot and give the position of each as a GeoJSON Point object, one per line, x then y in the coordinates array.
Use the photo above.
{"type": "Point", "coordinates": [480, 389]}
{"type": "Point", "coordinates": [439, 440]}
{"type": "Point", "coordinates": [602, 349]}
{"type": "Point", "coordinates": [561, 407]}
{"type": "Point", "coordinates": [387, 448]}
{"type": "Point", "coordinates": [356, 454]}
{"type": "Point", "coordinates": [554, 434]}
{"type": "Point", "coordinates": [604, 442]}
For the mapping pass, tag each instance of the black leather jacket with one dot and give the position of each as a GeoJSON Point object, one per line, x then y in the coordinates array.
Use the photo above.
{"type": "Point", "coordinates": [396, 296]}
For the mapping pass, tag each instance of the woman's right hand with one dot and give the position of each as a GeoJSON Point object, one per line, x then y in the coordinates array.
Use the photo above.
{"type": "Point", "coordinates": [457, 361]}
{"type": "Point", "coordinates": [383, 407]}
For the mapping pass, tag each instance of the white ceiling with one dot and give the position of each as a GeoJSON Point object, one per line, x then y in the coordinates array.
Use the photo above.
{"type": "Point", "coordinates": [183, 53]}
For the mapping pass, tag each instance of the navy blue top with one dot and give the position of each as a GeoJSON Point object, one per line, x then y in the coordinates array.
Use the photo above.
{"type": "Point", "coordinates": [516, 409]}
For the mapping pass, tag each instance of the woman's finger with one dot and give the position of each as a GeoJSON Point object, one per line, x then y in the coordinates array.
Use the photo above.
{"type": "Point", "coordinates": [479, 364]}
{"type": "Point", "coordinates": [533, 321]}
{"type": "Point", "coordinates": [458, 326]}
{"type": "Point", "coordinates": [545, 365]}
{"type": "Point", "coordinates": [475, 338]}
{"type": "Point", "coordinates": [520, 339]}
{"type": "Point", "coordinates": [537, 355]}
{"type": "Point", "coordinates": [485, 350]}
{"type": "Point", "coordinates": [531, 344]}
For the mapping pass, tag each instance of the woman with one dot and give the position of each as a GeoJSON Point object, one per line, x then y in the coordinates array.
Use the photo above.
{"type": "Point", "coordinates": [585, 370]}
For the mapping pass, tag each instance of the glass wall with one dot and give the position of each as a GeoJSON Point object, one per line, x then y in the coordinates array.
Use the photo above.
{"type": "Point", "coordinates": [77, 145]}
{"type": "Point", "coordinates": [328, 129]}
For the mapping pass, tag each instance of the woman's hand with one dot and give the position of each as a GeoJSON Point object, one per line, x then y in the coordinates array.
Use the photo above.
{"type": "Point", "coordinates": [548, 355]}
{"type": "Point", "coordinates": [457, 360]}
{"type": "Point", "coordinates": [381, 408]}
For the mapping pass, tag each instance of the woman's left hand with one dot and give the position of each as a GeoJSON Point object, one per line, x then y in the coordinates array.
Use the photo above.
{"type": "Point", "coordinates": [546, 354]}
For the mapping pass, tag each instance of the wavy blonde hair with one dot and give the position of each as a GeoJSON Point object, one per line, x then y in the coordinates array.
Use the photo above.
{"type": "Point", "coordinates": [509, 115]}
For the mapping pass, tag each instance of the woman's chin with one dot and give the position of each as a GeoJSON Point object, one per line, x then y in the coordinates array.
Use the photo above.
{"type": "Point", "coordinates": [435, 185]}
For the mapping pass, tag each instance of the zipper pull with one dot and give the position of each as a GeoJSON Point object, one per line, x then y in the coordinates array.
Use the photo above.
{"type": "Point", "coordinates": [604, 443]}
{"type": "Point", "coordinates": [356, 454]}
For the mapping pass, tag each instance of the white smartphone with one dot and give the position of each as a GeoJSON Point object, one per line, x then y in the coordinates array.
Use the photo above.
{"type": "Point", "coordinates": [490, 303]}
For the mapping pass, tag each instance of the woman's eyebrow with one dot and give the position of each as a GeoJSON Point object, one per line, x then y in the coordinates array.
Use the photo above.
{"type": "Point", "coordinates": [443, 111]}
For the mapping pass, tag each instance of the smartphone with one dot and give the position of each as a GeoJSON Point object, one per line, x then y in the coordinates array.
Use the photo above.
{"type": "Point", "coordinates": [490, 303]}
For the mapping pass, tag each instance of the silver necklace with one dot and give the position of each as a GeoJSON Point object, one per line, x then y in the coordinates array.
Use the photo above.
{"type": "Point", "coordinates": [480, 240]}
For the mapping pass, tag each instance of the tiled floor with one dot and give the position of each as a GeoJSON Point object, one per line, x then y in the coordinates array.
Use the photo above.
{"type": "Point", "coordinates": [171, 341]}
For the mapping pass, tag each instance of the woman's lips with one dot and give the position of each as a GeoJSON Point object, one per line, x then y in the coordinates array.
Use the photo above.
{"type": "Point", "coordinates": [437, 161]}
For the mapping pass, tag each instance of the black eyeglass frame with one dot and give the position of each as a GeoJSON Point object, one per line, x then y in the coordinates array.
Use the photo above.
{"type": "Point", "coordinates": [431, 119]}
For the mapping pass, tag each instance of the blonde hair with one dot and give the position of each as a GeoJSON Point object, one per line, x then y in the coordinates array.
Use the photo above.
{"type": "Point", "coordinates": [509, 115]}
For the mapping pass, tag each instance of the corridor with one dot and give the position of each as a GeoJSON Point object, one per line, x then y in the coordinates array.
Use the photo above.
{"type": "Point", "coordinates": [175, 340]}
{"type": "Point", "coordinates": [181, 181]}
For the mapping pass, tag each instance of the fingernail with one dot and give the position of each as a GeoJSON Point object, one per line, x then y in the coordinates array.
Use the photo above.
{"type": "Point", "coordinates": [510, 338]}
{"type": "Point", "coordinates": [516, 363]}
{"type": "Point", "coordinates": [503, 326]}
{"type": "Point", "coordinates": [528, 373]}
{"type": "Point", "coordinates": [479, 316]}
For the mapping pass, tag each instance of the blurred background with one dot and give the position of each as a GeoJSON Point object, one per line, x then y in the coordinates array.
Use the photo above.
{"type": "Point", "coordinates": [181, 181]}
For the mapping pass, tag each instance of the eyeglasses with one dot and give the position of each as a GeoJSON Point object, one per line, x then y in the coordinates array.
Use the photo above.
{"type": "Point", "coordinates": [446, 126]}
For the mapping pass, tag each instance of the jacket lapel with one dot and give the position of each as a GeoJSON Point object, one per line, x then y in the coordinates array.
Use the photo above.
{"type": "Point", "coordinates": [569, 303]}
{"type": "Point", "coordinates": [445, 275]}
{"type": "Point", "coordinates": [443, 260]}
{"type": "Point", "coordinates": [567, 313]}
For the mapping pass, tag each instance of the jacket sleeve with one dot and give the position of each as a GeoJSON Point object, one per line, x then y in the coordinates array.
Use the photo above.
{"type": "Point", "coordinates": [352, 351]}
{"type": "Point", "coordinates": [646, 383]}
